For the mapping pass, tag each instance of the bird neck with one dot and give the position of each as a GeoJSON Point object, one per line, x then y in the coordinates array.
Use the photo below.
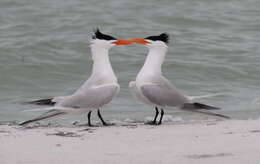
{"type": "Point", "coordinates": [153, 61]}
{"type": "Point", "coordinates": [101, 62]}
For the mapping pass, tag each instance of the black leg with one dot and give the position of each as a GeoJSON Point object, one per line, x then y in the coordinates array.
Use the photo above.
{"type": "Point", "coordinates": [100, 117]}
{"type": "Point", "coordinates": [89, 121]}
{"type": "Point", "coordinates": [156, 114]}
{"type": "Point", "coordinates": [155, 117]}
{"type": "Point", "coordinates": [160, 121]}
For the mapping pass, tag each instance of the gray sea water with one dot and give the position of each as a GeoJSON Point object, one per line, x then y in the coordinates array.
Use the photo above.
{"type": "Point", "coordinates": [214, 48]}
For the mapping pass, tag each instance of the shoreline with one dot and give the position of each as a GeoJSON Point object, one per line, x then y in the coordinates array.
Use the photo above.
{"type": "Point", "coordinates": [230, 141]}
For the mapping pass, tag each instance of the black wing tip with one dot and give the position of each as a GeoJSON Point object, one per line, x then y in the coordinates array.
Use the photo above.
{"type": "Point", "coordinates": [223, 116]}
{"type": "Point", "coordinates": [215, 114]}
{"type": "Point", "coordinates": [198, 106]}
{"type": "Point", "coordinates": [204, 106]}
{"type": "Point", "coordinates": [204, 109]}
{"type": "Point", "coordinates": [25, 122]}
{"type": "Point", "coordinates": [47, 101]}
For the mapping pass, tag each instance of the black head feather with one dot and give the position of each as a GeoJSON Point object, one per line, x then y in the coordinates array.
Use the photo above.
{"type": "Point", "coordinates": [162, 37]}
{"type": "Point", "coordinates": [99, 35]}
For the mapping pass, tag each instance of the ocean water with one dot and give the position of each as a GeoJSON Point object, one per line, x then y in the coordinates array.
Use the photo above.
{"type": "Point", "coordinates": [214, 48]}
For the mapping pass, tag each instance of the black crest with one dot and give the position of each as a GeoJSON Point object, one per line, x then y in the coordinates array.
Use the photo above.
{"type": "Point", "coordinates": [163, 37]}
{"type": "Point", "coordinates": [99, 35]}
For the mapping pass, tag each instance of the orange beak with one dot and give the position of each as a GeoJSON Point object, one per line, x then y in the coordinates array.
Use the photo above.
{"type": "Point", "coordinates": [139, 40]}
{"type": "Point", "coordinates": [122, 42]}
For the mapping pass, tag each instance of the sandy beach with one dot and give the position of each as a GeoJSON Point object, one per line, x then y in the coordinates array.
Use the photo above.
{"type": "Point", "coordinates": [233, 141]}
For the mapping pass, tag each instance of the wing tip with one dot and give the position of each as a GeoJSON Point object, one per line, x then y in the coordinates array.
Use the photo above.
{"type": "Point", "coordinates": [204, 106]}
{"type": "Point", "coordinates": [47, 101]}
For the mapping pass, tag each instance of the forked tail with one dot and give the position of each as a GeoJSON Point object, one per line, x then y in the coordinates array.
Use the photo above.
{"type": "Point", "coordinates": [50, 113]}
{"type": "Point", "coordinates": [212, 114]}
{"type": "Point", "coordinates": [198, 107]}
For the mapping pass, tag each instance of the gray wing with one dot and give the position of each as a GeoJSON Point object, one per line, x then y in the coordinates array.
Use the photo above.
{"type": "Point", "coordinates": [94, 97]}
{"type": "Point", "coordinates": [136, 93]}
{"type": "Point", "coordinates": [162, 93]}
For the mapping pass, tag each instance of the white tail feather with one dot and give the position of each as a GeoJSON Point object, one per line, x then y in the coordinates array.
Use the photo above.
{"type": "Point", "coordinates": [38, 109]}
{"type": "Point", "coordinates": [60, 108]}
{"type": "Point", "coordinates": [205, 96]}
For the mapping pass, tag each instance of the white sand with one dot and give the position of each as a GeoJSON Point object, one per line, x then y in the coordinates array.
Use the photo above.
{"type": "Point", "coordinates": [226, 142]}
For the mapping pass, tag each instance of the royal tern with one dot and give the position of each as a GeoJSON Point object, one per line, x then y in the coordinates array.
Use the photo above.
{"type": "Point", "coordinates": [152, 88]}
{"type": "Point", "coordinates": [97, 91]}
